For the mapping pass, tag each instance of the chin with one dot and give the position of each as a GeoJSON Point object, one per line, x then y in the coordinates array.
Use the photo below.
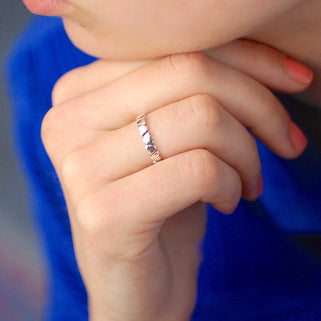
{"type": "Point", "coordinates": [101, 46]}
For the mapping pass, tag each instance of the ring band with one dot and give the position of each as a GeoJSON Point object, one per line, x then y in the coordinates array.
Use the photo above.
{"type": "Point", "coordinates": [147, 139]}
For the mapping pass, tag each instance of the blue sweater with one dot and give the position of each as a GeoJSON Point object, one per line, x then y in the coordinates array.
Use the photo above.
{"type": "Point", "coordinates": [251, 269]}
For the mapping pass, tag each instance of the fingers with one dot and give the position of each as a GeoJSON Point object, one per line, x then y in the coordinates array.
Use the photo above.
{"type": "Point", "coordinates": [193, 123]}
{"type": "Point", "coordinates": [180, 76]}
{"type": "Point", "coordinates": [165, 90]}
{"type": "Point", "coordinates": [265, 64]}
{"type": "Point", "coordinates": [104, 71]}
{"type": "Point", "coordinates": [139, 203]}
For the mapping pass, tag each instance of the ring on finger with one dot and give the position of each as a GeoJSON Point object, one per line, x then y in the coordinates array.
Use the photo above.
{"type": "Point", "coordinates": [147, 139]}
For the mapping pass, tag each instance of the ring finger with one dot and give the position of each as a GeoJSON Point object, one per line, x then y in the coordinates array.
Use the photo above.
{"type": "Point", "coordinates": [198, 122]}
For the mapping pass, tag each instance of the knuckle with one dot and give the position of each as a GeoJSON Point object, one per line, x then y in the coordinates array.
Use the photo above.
{"type": "Point", "coordinates": [87, 216]}
{"type": "Point", "coordinates": [201, 167]}
{"type": "Point", "coordinates": [204, 111]}
{"type": "Point", "coordinates": [213, 180]}
{"type": "Point", "coordinates": [63, 87]}
{"type": "Point", "coordinates": [186, 64]}
{"type": "Point", "coordinates": [93, 216]}
{"type": "Point", "coordinates": [57, 125]}
{"type": "Point", "coordinates": [101, 226]}
{"type": "Point", "coordinates": [50, 127]}
{"type": "Point", "coordinates": [73, 166]}
{"type": "Point", "coordinates": [59, 90]}
{"type": "Point", "coordinates": [46, 128]}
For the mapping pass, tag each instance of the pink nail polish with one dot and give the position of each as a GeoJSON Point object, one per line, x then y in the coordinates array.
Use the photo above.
{"type": "Point", "coordinates": [298, 71]}
{"type": "Point", "coordinates": [297, 137]}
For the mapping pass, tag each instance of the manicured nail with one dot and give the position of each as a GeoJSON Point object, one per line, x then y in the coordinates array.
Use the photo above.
{"type": "Point", "coordinates": [260, 187]}
{"type": "Point", "coordinates": [298, 71]}
{"type": "Point", "coordinates": [297, 137]}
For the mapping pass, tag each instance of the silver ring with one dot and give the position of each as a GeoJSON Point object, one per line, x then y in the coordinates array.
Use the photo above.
{"type": "Point", "coordinates": [147, 139]}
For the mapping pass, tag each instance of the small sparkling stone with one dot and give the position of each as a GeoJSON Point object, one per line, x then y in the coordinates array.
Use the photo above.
{"type": "Point", "coordinates": [142, 129]}
{"type": "Point", "coordinates": [151, 148]}
{"type": "Point", "coordinates": [147, 139]}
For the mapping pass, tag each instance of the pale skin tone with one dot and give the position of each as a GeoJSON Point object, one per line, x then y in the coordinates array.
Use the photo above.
{"type": "Point", "coordinates": [136, 227]}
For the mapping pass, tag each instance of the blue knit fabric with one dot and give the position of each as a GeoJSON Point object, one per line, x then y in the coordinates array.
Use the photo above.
{"type": "Point", "coordinates": [251, 270]}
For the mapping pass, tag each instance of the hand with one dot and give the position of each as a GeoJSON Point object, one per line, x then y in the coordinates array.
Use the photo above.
{"type": "Point", "coordinates": [137, 228]}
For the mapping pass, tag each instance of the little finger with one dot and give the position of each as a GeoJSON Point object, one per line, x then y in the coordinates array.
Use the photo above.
{"type": "Point", "coordinates": [138, 204]}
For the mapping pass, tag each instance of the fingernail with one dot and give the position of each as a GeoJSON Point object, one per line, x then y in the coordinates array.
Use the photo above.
{"type": "Point", "coordinates": [297, 137]}
{"type": "Point", "coordinates": [260, 187]}
{"type": "Point", "coordinates": [298, 71]}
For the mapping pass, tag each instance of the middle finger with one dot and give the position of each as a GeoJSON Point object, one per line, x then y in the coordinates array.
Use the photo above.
{"type": "Point", "coordinates": [180, 76]}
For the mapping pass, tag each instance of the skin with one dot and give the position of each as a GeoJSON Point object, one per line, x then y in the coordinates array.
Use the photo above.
{"type": "Point", "coordinates": [136, 238]}
{"type": "Point", "coordinates": [109, 29]}
{"type": "Point", "coordinates": [140, 264]}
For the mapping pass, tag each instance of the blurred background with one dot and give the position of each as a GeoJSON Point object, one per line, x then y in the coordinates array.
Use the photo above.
{"type": "Point", "coordinates": [22, 276]}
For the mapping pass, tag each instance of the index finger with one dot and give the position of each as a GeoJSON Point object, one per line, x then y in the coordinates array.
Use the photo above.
{"type": "Point", "coordinates": [262, 62]}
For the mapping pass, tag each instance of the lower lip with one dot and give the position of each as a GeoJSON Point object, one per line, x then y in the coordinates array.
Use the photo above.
{"type": "Point", "coordinates": [46, 7]}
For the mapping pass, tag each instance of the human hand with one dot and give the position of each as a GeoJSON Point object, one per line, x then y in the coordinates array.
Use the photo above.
{"type": "Point", "coordinates": [137, 228]}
